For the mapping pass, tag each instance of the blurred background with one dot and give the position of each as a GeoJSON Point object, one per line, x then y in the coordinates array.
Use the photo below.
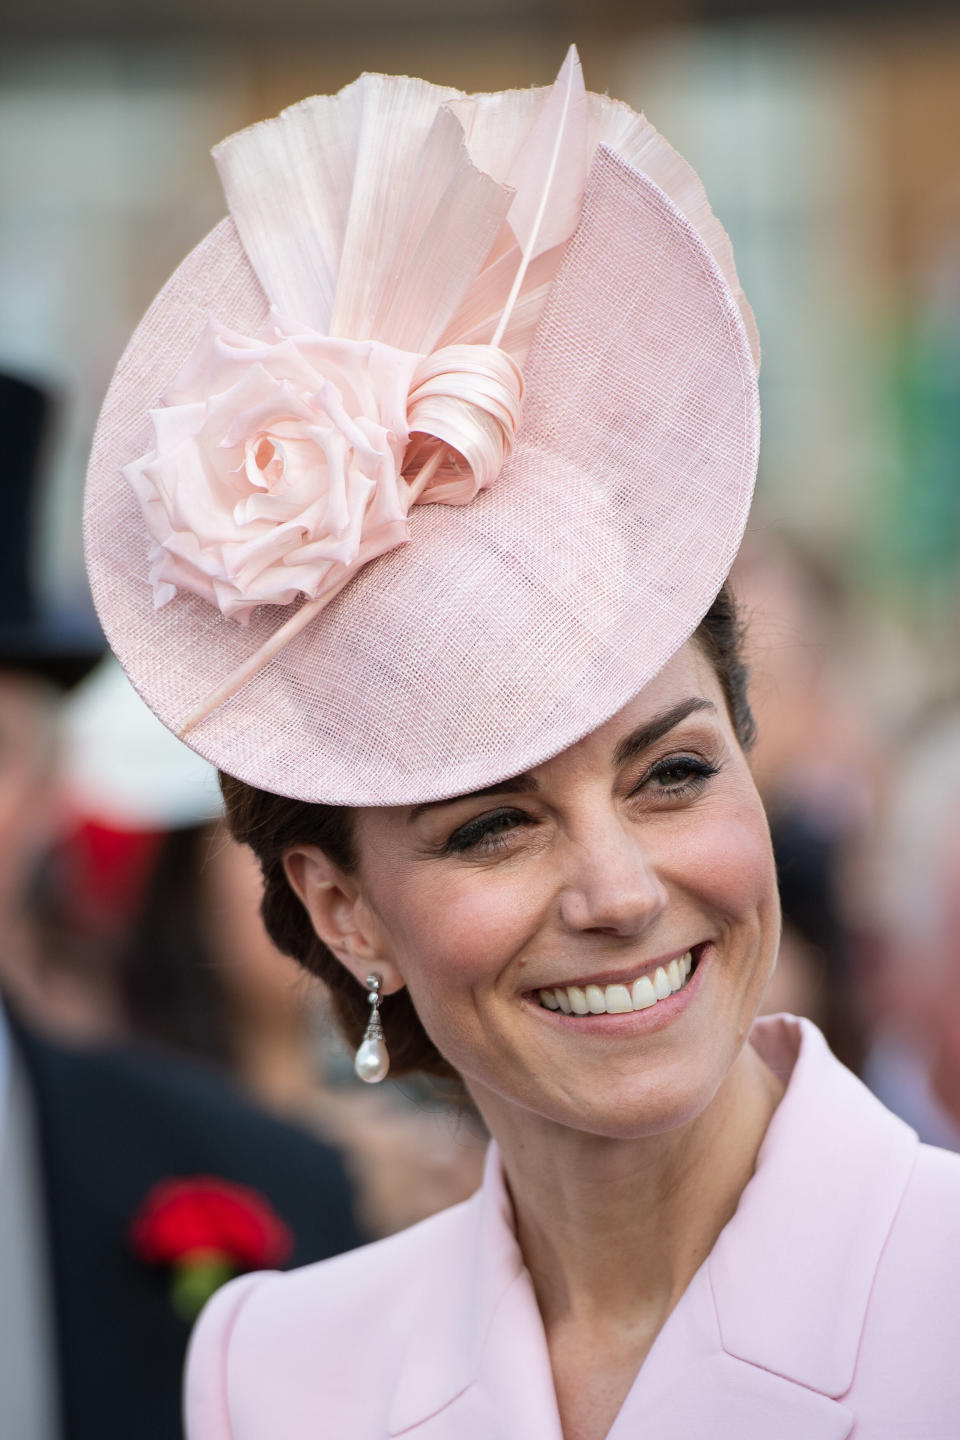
{"type": "Point", "coordinates": [828, 139]}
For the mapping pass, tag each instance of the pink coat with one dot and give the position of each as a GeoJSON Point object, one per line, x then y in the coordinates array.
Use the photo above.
{"type": "Point", "coordinates": [829, 1306]}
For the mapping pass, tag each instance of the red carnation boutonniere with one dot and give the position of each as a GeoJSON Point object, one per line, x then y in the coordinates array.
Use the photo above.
{"type": "Point", "coordinates": [207, 1230]}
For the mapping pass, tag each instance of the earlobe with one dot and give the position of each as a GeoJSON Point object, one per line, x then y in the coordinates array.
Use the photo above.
{"type": "Point", "coordinates": [339, 915]}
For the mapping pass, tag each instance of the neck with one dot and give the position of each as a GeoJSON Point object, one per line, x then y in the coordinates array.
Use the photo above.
{"type": "Point", "coordinates": [612, 1231]}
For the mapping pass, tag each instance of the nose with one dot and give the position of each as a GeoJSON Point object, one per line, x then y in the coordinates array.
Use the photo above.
{"type": "Point", "coordinates": [613, 884]}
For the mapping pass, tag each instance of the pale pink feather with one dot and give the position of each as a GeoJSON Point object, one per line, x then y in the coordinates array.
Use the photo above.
{"type": "Point", "coordinates": [550, 168]}
{"type": "Point", "coordinates": [548, 176]}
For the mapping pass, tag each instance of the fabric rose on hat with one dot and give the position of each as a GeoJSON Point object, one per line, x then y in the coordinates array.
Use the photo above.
{"type": "Point", "coordinates": [276, 465]}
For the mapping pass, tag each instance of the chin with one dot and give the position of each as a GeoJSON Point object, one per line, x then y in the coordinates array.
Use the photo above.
{"type": "Point", "coordinates": [625, 1106]}
{"type": "Point", "coordinates": [644, 1110]}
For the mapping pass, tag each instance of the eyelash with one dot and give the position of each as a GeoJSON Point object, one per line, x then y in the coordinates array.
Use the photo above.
{"type": "Point", "coordinates": [489, 833]}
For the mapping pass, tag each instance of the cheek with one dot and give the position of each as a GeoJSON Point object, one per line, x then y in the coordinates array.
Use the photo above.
{"type": "Point", "coordinates": [728, 860]}
{"type": "Point", "coordinates": [462, 930]}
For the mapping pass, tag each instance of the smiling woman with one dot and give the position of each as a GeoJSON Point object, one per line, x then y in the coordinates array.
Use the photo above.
{"type": "Point", "coordinates": [485, 724]}
{"type": "Point", "coordinates": [591, 876]}
{"type": "Point", "coordinates": [273, 826]}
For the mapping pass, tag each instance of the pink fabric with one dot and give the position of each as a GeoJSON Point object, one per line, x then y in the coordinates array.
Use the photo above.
{"type": "Point", "coordinates": [276, 459]}
{"type": "Point", "coordinates": [275, 471]}
{"type": "Point", "coordinates": [827, 1309]}
{"type": "Point", "coordinates": [511, 627]}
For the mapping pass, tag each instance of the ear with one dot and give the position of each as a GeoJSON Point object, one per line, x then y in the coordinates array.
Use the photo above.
{"type": "Point", "coordinates": [340, 915]}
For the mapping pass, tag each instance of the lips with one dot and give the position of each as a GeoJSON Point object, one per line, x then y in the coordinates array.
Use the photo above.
{"type": "Point", "coordinates": [622, 997]}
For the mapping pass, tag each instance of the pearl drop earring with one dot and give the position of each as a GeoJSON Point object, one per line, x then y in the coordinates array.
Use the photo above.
{"type": "Point", "coordinates": [372, 1061]}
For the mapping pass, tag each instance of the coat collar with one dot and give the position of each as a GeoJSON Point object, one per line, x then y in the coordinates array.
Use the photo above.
{"type": "Point", "coordinates": [769, 1326]}
{"type": "Point", "coordinates": [478, 1294]}
{"type": "Point", "coordinates": [791, 1273]}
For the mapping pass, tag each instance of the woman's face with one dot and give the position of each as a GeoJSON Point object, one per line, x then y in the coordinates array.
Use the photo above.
{"type": "Point", "coordinates": [642, 844]}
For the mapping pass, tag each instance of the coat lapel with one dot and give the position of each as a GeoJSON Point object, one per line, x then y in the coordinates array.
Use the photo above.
{"type": "Point", "coordinates": [477, 1366]}
{"type": "Point", "coordinates": [763, 1342]}
{"type": "Point", "coordinates": [793, 1270]}
{"type": "Point", "coordinates": [689, 1385]}
{"type": "Point", "coordinates": [511, 1396]}
{"type": "Point", "coordinates": [767, 1334]}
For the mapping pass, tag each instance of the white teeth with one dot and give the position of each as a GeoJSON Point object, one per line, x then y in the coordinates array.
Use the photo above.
{"type": "Point", "coordinates": [578, 1001]}
{"type": "Point", "coordinates": [596, 1000]}
{"type": "Point", "coordinates": [643, 994]}
{"type": "Point", "coordinates": [620, 999]}
{"type": "Point", "coordinates": [661, 984]}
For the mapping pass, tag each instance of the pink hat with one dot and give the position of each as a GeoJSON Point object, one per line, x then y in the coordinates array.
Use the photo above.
{"type": "Point", "coordinates": [430, 456]}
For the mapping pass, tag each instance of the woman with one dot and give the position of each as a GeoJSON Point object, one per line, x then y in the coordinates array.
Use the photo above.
{"type": "Point", "coordinates": [201, 976]}
{"type": "Point", "coordinates": [497, 780]}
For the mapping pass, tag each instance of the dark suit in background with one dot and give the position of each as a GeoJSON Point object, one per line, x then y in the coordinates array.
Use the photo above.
{"type": "Point", "coordinates": [110, 1125]}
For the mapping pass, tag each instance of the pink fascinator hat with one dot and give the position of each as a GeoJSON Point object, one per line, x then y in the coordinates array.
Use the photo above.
{"type": "Point", "coordinates": [431, 454]}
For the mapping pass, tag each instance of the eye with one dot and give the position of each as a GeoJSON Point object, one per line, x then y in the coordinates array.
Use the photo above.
{"type": "Point", "coordinates": [677, 776]}
{"type": "Point", "coordinates": [485, 834]}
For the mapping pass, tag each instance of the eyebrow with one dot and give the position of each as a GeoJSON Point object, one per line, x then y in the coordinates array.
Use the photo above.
{"type": "Point", "coordinates": [646, 735]}
{"type": "Point", "coordinates": [630, 746]}
{"type": "Point", "coordinates": [516, 785]}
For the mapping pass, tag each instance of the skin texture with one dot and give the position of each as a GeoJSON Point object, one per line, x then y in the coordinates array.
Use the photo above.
{"type": "Point", "coordinates": [630, 1133]}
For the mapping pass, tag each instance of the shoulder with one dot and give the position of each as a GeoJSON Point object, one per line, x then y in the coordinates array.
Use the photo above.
{"type": "Point", "coordinates": [143, 1116]}
{"type": "Point", "coordinates": [127, 1084]}
{"type": "Point", "coordinates": [923, 1249]}
{"type": "Point", "coordinates": [126, 1075]}
{"type": "Point", "coordinates": [269, 1346]}
{"type": "Point", "coordinates": [841, 1266]}
{"type": "Point", "coordinates": [911, 1332]}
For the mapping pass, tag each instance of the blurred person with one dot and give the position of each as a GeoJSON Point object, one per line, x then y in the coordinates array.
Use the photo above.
{"type": "Point", "coordinates": [497, 779]}
{"type": "Point", "coordinates": [816, 765]}
{"type": "Point", "coordinates": [41, 655]}
{"type": "Point", "coordinates": [816, 751]}
{"type": "Point", "coordinates": [814, 975]}
{"type": "Point", "coordinates": [411, 1149]}
{"type": "Point", "coordinates": [913, 1061]}
{"type": "Point", "coordinates": [93, 1328]}
{"type": "Point", "coordinates": [200, 975]}
{"type": "Point", "coordinates": [141, 813]}
{"type": "Point", "coordinates": [195, 972]}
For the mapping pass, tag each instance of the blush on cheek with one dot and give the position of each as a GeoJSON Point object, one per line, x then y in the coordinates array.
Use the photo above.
{"type": "Point", "coordinates": [468, 926]}
{"type": "Point", "coordinates": [732, 858]}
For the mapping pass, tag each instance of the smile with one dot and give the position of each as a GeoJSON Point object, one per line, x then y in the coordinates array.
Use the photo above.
{"type": "Point", "coordinates": [621, 999]}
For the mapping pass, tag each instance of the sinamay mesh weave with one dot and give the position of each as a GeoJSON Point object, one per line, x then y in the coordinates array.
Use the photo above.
{"type": "Point", "coordinates": [505, 630]}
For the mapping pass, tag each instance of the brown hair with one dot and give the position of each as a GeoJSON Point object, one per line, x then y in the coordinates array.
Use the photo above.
{"type": "Point", "coordinates": [271, 825]}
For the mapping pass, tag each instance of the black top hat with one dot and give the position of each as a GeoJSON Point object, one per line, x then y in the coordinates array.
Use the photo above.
{"type": "Point", "coordinates": [61, 646]}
